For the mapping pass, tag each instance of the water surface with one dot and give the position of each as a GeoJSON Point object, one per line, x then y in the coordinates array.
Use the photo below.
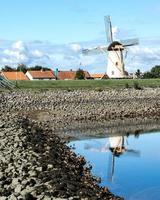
{"type": "Point", "coordinates": [135, 173]}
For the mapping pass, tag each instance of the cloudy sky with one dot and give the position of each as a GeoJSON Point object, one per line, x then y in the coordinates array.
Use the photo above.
{"type": "Point", "coordinates": [52, 33]}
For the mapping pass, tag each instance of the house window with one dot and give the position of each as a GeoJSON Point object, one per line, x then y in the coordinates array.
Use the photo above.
{"type": "Point", "coordinates": [112, 72]}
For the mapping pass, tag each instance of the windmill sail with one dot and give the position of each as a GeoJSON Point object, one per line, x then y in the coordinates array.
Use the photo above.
{"type": "Point", "coordinates": [111, 167]}
{"type": "Point", "coordinates": [96, 50]}
{"type": "Point", "coordinates": [130, 42]}
{"type": "Point", "coordinates": [108, 26]}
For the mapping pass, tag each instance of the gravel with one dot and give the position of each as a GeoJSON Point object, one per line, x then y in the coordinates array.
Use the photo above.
{"type": "Point", "coordinates": [36, 164]}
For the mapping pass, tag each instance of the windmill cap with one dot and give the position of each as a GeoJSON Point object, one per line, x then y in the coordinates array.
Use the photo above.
{"type": "Point", "coordinates": [113, 45]}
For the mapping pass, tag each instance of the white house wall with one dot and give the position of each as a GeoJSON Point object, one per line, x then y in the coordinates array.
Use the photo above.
{"type": "Point", "coordinates": [29, 76]}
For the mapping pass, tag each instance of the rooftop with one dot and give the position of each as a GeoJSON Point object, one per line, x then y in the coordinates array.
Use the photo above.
{"type": "Point", "coordinates": [42, 74]}
{"type": "Point", "coordinates": [14, 75]}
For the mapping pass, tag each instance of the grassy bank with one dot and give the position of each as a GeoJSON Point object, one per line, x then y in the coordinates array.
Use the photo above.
{"type": "Point", "coordinates": [88, 84]}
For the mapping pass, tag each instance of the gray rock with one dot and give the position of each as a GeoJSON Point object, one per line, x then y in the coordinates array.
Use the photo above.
{"type": "Point", "coordinates": [18, 189]}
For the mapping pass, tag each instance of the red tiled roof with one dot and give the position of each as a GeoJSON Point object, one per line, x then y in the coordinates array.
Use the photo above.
{"type": "Point", "coordinates": [70, 75]}
{"type": "Point", "coordinates": [14, 75]}
{"type": "Point", "coordinates": [42, 74]}
{"type": "Point", "coordinates": [66, 75]}
{"type": "Point", "coordinates": [99, 75]}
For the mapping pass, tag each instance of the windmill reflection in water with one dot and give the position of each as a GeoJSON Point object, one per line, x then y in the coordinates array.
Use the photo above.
{"type": "Point", "coordinates": [118, 146]}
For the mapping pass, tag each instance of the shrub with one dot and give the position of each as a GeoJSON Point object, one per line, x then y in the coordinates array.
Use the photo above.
{"type": "Point", "coordinates": [126, 85]}
{"type": "Point", "coordinates": [69, 90]}
{"type": "Point", "coordinates": [80, 74]}
{"type": "Point", "coordinates": [136, 86]}
{"type": "Point", "coordinates": [98, 89]}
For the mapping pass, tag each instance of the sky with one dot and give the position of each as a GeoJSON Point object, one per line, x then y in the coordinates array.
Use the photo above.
{"type": "Point", "coordinates": [52, 33]}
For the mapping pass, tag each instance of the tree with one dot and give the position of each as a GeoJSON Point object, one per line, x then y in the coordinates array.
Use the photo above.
{"type": "Point", "coordinates": [22, 68]}
{"type": "Point", "coordinates": [148, 75]}
{"type": "Point", "coordinates": [38, 68]}
{"type": "Point", "coordinates": [8, 69]}
{"type": "Point", "coordinates": [156, 71]}
{"type": "Point", "coordinates": [138, 73]}
{"type": "Point", "coordinates": [80, 74]}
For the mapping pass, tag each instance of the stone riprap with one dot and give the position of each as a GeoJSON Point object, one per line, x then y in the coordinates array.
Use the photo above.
{"type": "Point", "coordinates": [36, 164]}
{"type": "Point", "coordinates": [92, 129]}
{"type": "Point", "coordinates": [61, 106]}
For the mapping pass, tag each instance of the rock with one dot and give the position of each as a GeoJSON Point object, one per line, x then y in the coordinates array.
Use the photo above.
{"type": "Point", "coordinates": [39, 169]}
{"type": "Point", "coordinates": [29, 196]}
{"type": "Point", "coordinates": [2, 125]}
{"type": "Point", "coordinates": [12, 197]}
{"type": "Point", "coordinates": [15, 182]}
{"type": "Point", "coordinates": [18, 189]}
{"type": "Point", "coordinates": [3, 198]}
{"type": "Point", "coordinates": [32, 173]}
{"type": "Point", "coordinates": [1, 175]}
{"type": "Point", "coordinates": [50, 166]}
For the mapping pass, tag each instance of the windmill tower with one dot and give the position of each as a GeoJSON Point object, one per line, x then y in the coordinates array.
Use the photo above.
{"type": "Point", "coordinates": [114, 51]}
{"type": "Point", "coordinates": [116, 146]}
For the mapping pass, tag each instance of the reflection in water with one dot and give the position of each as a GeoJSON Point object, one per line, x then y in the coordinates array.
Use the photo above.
{"type": "Point", "coordinates": [128, 164]}
{"type": "Point", "coordinates": [118, 146]}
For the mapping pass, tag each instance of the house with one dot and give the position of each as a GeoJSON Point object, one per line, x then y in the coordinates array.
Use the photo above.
{"type": "Point", "coordinates": [99, 76]}
{"type": "Point", "coordinates": [70, 75]}
{"type": "Point", "coordinates": [12, 76]}
{"type": "Point", "coordinates": [66, 75]}
{"type": "Point", "coordinates": [87, 75]}
{"type": "Point", "coordinates": [41, 75]}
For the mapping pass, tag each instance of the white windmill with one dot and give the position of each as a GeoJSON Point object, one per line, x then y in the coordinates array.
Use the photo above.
{"type": "Point", "coordinates": [114, 51]}
{"type": "Point", "coordinates": [117, 147]}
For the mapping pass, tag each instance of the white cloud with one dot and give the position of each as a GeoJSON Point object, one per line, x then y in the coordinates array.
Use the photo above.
{"type": "Point", "coordinates": [37, 53]}
{"type": "Point", "coordinates": [19, 45]}
{"type": "Point", "coordinates": [143, 58]}
{"type": "Point", "coordinates": [19, 52]}
{"type": "Point", "coordinates": [75, 47]}
{"type": "Point", "coordinates": [69, 56]}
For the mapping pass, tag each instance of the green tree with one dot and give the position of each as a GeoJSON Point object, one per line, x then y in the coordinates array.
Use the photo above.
{"type": "Point", "coordinates": [7, 68]}
{"type": "Point", "coordinates": [38, 68]}
{"type": "Point", "coordinates": [22, 68]}
{"type": "Point", "coordinates": [148, 75]}
{"type": "Point", "coordinates": [80, 74]}
{"type": "Point", "coordinates": [156, 71]}
{"type": "Point", "coordinates": [138, 73]}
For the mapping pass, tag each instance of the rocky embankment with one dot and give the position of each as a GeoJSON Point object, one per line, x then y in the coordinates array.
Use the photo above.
{"type": "Point", "coordinates": [68, 112]}
{"type": "Point", "coordinates": [36, 164]}
{"type": "Point", "coordinates": [61, 105]}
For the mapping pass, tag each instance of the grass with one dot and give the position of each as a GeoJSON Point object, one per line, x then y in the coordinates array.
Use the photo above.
{"type": "Point", "coordinates": [89, 84]}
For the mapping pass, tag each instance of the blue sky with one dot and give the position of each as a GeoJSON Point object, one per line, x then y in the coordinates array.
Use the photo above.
{"type": "Point", "coordinates": [52, 32]}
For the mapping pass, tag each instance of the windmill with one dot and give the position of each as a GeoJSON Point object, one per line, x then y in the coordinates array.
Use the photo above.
{"type": "Point", "coordinates": [116, 146]}
{"type": "Point", "coordinates": [118, 151]}
{"type": "Point", "coordinates": [114, 50]}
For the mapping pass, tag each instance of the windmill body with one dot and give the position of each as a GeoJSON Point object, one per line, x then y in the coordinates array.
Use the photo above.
{"type": "Point", "coordinates": [114, 51]}
{"type": "Point", "coordinates": [115, 68]}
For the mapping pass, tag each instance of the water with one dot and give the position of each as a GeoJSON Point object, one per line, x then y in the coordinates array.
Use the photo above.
{"type": "Point", "coordinates": [135, 174]}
